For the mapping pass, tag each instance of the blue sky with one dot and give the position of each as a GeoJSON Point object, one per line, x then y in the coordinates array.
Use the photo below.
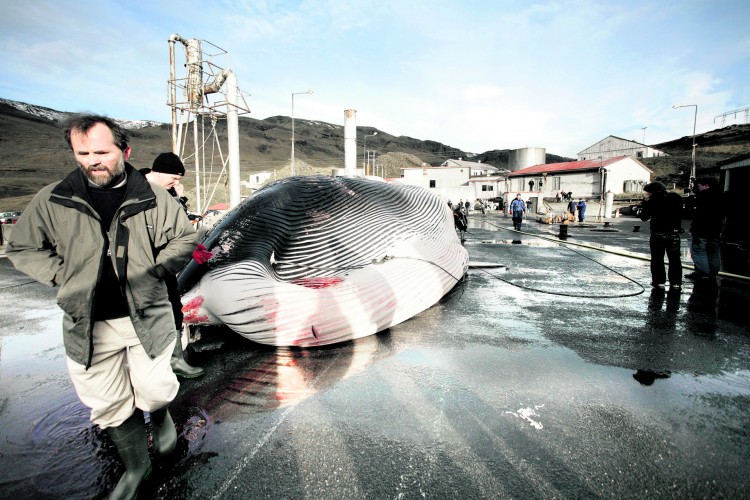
{"type": "Point", "coordinates": [475, 75]}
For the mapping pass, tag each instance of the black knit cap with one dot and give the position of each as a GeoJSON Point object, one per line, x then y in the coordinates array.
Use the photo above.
{"type": "Point", "coordinates": [168, 163]}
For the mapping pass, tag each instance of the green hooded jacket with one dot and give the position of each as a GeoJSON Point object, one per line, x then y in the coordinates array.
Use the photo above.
{"type": "Point", "coordinates": [59, 241]}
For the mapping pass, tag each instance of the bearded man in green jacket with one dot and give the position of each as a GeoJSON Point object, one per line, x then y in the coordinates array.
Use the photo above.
{"type": "Point", "coordinates": [107, 239]}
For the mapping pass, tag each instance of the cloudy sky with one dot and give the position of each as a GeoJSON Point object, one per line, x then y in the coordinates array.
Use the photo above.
{"type": "Point", "coordinates": [475, 75]}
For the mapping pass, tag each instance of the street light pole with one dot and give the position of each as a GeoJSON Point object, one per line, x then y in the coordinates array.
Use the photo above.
{"type": "Point", "coordinates": [294, 169]}
{"type": "Point", "coordinates": [364, 151]}
{"type": "Point", "coordinates": [695, 119]}
{"type": "Point", "coordinates": [601, 188]}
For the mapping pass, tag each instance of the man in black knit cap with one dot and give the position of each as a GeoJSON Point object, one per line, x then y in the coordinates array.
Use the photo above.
{"type": "Point", "coordinates": [167, 171]}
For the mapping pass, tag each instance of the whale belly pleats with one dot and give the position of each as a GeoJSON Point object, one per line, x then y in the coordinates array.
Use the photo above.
{"type": "Point", "coordinates": [350, 258]}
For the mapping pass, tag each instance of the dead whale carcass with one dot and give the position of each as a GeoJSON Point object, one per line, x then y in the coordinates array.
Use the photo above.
{"type": "Point", "coordinates": [316, 260]}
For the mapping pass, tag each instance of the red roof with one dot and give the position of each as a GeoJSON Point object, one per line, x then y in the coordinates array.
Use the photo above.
{"type": "Point", "coordinates": [570, 166]}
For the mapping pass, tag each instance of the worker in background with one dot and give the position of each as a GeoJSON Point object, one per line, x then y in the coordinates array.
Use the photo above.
{"type": "Point", "coordinates": [517, 209]}
{"type": "Point", "coordinates": [664, 210]}
{"type": "Point", "coordinates": [167, 171]}
{"type": "Point", "coordinates": [572, 208]}
{"type": "Point", "coordinates": [708, 220]}
{"type": "Point", "coordinates": [581, 209]}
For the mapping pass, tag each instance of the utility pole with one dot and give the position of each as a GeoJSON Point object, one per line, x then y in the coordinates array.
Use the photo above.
{"type": "Point", "coordinates": [695, 119]}
{"type": "Point", "coordinates": [293, 167]}
{"type": "Point", "coordinates": [365, 163]}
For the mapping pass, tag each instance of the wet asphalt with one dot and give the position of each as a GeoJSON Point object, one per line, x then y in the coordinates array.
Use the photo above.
{"type": "Point", "coordinates": [552, 370]}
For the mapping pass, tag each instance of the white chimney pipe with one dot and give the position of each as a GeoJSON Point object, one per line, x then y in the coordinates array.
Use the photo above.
{"type": "Point", "coordinates": [233, 139]}
{"type": "Point", "coordinates": [350, 142]}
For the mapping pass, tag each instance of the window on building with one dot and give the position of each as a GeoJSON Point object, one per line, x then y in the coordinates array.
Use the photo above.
{"type": "Point", "coordinates": [639, 154]}
{"type": "Point", "coordinates": [432, 183]}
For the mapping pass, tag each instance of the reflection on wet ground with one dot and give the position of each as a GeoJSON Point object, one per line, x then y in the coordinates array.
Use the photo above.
{"type": "Point", "coordinates": [70, 468]}
{"type": "Point", "coordinates": [531, 243]}
{"type": "Point", "coordinates": [563, 374]}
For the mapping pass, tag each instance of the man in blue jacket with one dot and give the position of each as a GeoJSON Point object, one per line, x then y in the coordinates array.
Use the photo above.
{"type": "Point", "coordinates": [581, 209]}
{"type": "Point", "coordinates": [517, 209]}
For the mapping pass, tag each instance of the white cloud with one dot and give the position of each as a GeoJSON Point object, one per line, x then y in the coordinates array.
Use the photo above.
{"type": "Point", "coordinates": [475, 75]}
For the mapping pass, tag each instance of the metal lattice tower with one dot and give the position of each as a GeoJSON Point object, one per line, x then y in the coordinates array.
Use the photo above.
{"type": "Point", "coordinates": [723, 116]}
{"type": "Point", "coordinates": [209, 93]}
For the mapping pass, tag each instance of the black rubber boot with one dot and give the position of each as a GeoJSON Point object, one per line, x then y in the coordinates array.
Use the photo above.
{"type": "Point", "coordinates": [131, 441]}
{"type": "Point", "coordinates": [165, 434]}
{"type": "Point", "coordinates": [180, 367]}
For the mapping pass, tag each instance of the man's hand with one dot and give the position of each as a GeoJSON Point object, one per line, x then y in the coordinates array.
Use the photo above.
{"type": "Point", "coordinates": [201, 255]}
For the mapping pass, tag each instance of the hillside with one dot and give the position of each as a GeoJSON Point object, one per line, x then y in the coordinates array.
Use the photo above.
{"type": "Point", "coordinates": [712, 147]}
{"type": "Point", "coordinates": [33, 152]}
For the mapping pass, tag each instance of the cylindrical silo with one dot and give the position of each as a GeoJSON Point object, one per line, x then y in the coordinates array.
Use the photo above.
{"type": "Point", "coordinates": [526, 157]}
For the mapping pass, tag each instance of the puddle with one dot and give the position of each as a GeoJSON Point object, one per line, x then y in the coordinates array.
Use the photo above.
{"type": "Point", "coordinates": [533, 242]}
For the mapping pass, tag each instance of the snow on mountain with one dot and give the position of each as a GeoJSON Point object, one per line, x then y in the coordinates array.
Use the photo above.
{"type": "Point", "coordinates": [56, 116]}
{"type": "Point", "coordinates": [136, 124]}
{"type": "Point", "coordinates": [40, 111]}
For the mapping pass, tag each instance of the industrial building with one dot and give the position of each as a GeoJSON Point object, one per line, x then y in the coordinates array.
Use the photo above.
{"type": "Point", "coordinates": [592, 178]}
{"type": "Point", "coordinates": [612, 146]}
{"type": "Point", "coordinates": [587, 178]}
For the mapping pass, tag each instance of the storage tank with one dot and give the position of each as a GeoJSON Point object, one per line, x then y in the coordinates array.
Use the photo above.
{"type": "Point", "coordinates": [526, 157]}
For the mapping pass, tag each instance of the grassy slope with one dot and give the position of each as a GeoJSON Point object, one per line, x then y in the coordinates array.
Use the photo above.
{"type": "Point", "coordinates": [33, 152]}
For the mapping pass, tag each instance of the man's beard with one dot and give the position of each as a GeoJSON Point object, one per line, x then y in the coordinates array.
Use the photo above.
{"type": "Point", "coordinates": [105, 180]}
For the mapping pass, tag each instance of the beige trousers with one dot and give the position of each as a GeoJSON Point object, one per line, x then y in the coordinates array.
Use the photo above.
{"type": "Point", "coordinates": [122, 376]}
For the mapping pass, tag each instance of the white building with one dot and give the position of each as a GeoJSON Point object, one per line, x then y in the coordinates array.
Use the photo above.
{"type": "Point", "coordinates": [475, 168]}
{"type": "Point", "coordinates": [585, 179]}
{"type": "Point", "coordinates": [454, 183]}
{"type": "Point", "coordinates": [611, 147]}
{"type": "Point", "coordinates": [436, 178]}
{"type": "Point", "coordinates": [487, 188]}
{"type": "Point", "coordinates": [256, 181]}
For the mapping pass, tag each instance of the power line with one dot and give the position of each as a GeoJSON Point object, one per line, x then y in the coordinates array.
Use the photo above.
{"type": "Point", "coordinates": [723, 116]}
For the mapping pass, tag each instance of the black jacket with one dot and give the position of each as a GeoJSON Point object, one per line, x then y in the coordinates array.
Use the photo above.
{"type": "Point", "coordinates": [664, 209]}
{"type": "Point", "coordinates": [709, 214]}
